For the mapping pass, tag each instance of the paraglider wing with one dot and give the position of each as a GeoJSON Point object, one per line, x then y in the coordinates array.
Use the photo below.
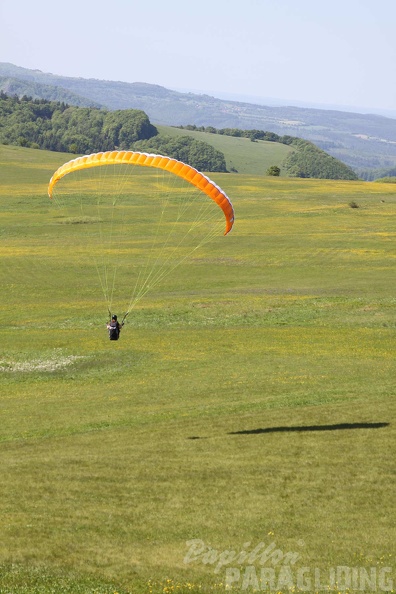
{"type": "Point", "coordinates": [186, 172]}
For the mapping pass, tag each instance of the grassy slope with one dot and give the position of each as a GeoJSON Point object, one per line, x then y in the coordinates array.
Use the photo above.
{"type": "Point", "coordinates": [241, 153]}
{"type": "Point", "coordinates": [187, 428]}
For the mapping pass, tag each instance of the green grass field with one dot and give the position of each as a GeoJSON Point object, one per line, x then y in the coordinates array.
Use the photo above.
{"type": "Point", "coordinates": [242, 154]}
{"type": "Point", "coordinates": [250, 399]}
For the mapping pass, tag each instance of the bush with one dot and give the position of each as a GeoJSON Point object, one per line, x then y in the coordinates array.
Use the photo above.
{"type": "Point", "coordinates": [274, 170]}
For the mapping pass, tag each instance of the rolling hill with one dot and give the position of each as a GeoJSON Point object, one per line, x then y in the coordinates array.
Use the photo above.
{"type": "Point", "coordinates": [42, 124]}
{"type": "Point", "coordinates": [252, 158]}
{"type": "Point", "coordinates": [362, 141]}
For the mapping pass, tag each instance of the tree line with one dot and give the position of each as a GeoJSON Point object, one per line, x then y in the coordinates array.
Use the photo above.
{"type": "Point", "coordinates": [307, 160]}
{"type": "Point", "coordinates": [310, 161]}
{"type": "Point", "coordinates": [57, 126]}
{"type": "Point", "coordinates": [253, 135]}
{"type": "Point", "coordinates": [196, 153]}
{"type": "Point", "coordinates": [378, 174]}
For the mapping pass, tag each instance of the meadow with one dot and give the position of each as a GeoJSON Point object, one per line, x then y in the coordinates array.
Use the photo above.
{"type": "Point", "coordinates": [248, 407]}
{"type": "Point", "coordinates": [242, 154]}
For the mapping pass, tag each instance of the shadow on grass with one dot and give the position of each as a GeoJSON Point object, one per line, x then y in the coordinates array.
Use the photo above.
{"type": "Point", "coordinates": [301, 428]}
{"type": "Point", "coordinates": [336, 427]}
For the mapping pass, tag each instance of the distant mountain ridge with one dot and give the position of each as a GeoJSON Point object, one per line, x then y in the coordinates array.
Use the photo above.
{"type": "Point", "coordinates": [362, 141]}
{"type": "Point", "coordinates": [15, 86]}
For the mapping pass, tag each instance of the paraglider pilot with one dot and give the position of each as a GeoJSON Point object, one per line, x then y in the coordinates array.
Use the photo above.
{"type": "Point", "coordinates": [114, 328]}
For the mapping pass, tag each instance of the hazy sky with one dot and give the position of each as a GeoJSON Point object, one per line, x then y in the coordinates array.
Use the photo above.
{"type": "Point", "coordinates": [330, 52]}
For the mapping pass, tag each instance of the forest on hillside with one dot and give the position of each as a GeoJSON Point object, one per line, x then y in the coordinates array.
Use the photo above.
{"type": "Point", "coordinates": [306, 160]}
{"type": "Point", "coordinates": [57, 126]}
{"type": "Point", "coordinates": [364, 142]}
